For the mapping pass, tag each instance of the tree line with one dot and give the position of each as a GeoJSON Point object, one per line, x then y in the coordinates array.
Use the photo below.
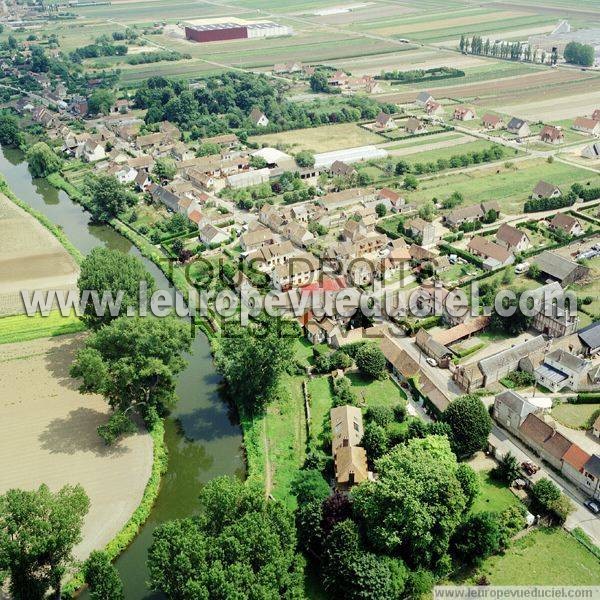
{"type": "Point", "coordinates": [507, 50]}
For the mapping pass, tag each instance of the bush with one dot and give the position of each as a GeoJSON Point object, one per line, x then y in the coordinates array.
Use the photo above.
{"type": "Point", "coordinates": [371, 361]}
{"type": "Point", "coordinates": [381, 415]}
{"type": "Point", "coordinates": [547, 498]}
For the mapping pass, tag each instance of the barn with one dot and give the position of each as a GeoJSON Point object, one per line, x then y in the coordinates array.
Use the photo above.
{"type": "Point", "coordinates": [211, 30]}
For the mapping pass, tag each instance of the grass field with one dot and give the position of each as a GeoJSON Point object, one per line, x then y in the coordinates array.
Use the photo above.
{"type": "Point", "coordinates": [493, 496]}
{"type": "Point", "coordinates": [510, 186]}
{"type": "Point", "coordinates": [446, 153]}
{"type": "Point", "coordinates": [574, 416]}
{"type": "Point", "coordinates": [21, 328]}
{"type": "Point", "coordinates": [543, 557]}
{"type": "Point", "coordinates": [382, 392]}
{"type": "Point", "coordinates": [320, 139]}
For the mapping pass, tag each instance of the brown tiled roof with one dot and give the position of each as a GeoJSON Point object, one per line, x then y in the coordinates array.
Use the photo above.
{"type": "Point", "coordinates": [585, 123]}
{"type": "Point", "coordinates": [489, 119]}
{"type": "Point", "coordinates": [549, 131]}
{"type": "Point", "coordinates": [557, 445]}
{"type": "Point", "coordinates": [576, 457]}
{"type": "Point", "coordinates": [489, 249]}
{"type": "Point", "coordinates": [510, 235]}
{"type": "Point", "coordinates": [536, 430]}
{"type": "Point", "coordinates": [398, 358]}
{"type": "Point", "coordinates": [435, 395]}
{"type": "Point", "coordinates": [449, 336]}
{"type": "Point", "coordinates": [563, 221]}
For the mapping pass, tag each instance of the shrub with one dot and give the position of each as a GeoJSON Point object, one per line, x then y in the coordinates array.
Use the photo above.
{"type": "Point", "coordinates": [381, 415]}
{"type": "Point", "coordinates": [371, 361]}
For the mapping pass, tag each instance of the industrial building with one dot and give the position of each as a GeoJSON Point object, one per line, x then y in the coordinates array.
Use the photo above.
{"type": "Point", "coordinates": [559, 38]}
{"type": "Point", "coordinates": [211, 30]}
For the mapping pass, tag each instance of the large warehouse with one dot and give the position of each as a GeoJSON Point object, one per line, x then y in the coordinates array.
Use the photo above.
{"type": "Point", "coordinates": [210, 30]}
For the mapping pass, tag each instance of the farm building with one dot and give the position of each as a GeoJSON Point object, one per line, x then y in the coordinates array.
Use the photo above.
{"type": "Point", "coordinates": [559, 268]}
{"type": "Point", "coordinates": [349, 156]}
{"type": "Point", "coordinates": [586, 125]}
{"type": "Point", "coordinates": [591, 151]}
{"type": "Point", "coordinates": [211, 30]}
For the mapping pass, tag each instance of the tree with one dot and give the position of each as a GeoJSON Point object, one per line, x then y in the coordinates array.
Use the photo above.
{"type": "Point", "coordinates": [381, 210]}
{"type": "Point", "coordinates": [534, 271]}
{"type": "Point", "coordinates": [310, 485]}
{"type": "Point", "coordinates": [252, 360]}
{"type": "Point", "coordinates": [579, 54]}
{"type": "Point", "coordinates": [470, 423]}
{"type": "Point", "coordinates": [238, 544]}
{"type": "Point", "coordinates": [10, 133]}
{"type": "Point", "coordinates": [375, 441]}
{"type": "Point", "coordinates": [417, 502]}
{"type": "Point", "coordinates": [134, 362]}
{"type": "Point", "coordinates": [305, 159]}
{"type": "Point", "coordinates": [507, 470]}
{"type": "Point", "coordinates": [101, 101]}
{"type": "Point", "coordinates": [427, 211]}
{"type": "Point", "coordinates": [453, 200]}
{"type": "Point", "coordinates": [109, 197]}
{"type": "Point", "coordinates": [207, 149]}
{"type": "Point", "coordinates": [353, 573]}
{"type": "Point", "coordinates": [38, 530]}
{"type": "Point", "coordinates": [382, 415]}
{"type": "Point", "coordinates": [106, 271]}
{"type": "Point", "coordinates": [410, 181]}
{"type": "Point", "coordinates": [547, 498]}
{"type": "Point", "coordinates": [469, 482]}
{"type": "Point", "coordinates": [165, 168]}
{"type": "Point", "coordinates": [477, 538]}
{"type": "Point", "coordinates": [102, 577]}
{"type": "Point", "coordinates": [42, 160]}
{"type": "Point", "coordinates": [513, 324]}
{"type": "Point", "coordinates": [371, 361]}
{"type": "Point", "coordinates": [318, 82]}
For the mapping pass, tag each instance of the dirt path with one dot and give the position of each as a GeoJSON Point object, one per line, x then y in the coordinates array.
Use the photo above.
{"type": "Point", "coordinates": [49, 436]}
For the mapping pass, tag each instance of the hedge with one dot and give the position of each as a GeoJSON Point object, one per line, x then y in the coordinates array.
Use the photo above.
{"type": "Point", "coordinates": [585, 541]}
{"type": "Point", "coordinates": [447, 249]}
{"type": "Point", "coordinates": [47, 223]}
{"type": "Point", "coordinates": [585, 398]}
{"type": "Point", "coordinates": [141, 513]}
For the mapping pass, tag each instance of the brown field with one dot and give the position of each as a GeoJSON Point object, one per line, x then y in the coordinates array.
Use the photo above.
{"type": "Point", "coordinates": [30, 258]}
{"type": "Point", "coordinates": [49, 436]}
{"type": "Point", "coordinates": [526, 84]}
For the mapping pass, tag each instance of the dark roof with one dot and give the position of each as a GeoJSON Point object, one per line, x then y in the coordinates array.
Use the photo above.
{"type": "Point", "coordinates": [510, 235]}
{"type": "Point", "coordinates": [555, 265]}
{"type": "Point", "coordinates": [534, 429]}
{"type": "Point", "coordinates": [593, 465]}
{"type": "Point", "coordinates": [543, 188]}
{"type": "Point", "coordinates": [557, 445]}
{"type": "Point", "coordinates": [515, 402]}
{"type": "Point", "coordinates": [515, 123]}
{"type": "Point", "coordinates": [590, 335]}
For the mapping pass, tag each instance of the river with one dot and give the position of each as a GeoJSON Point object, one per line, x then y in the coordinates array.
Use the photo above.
{"type": "Point", "coordinates": [202, 439]}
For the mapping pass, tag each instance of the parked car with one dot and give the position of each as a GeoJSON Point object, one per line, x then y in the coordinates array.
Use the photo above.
{"type": "Point", "coordinates": [521, 268]}
{"type": "Point", "coordinates": [592, 506]}
{"type": "Point", "coordinates": [431, 361]}
{"type": "Point", "coordinates": [529, 468]}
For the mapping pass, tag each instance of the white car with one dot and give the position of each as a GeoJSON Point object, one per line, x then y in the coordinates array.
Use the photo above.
{"type": "Point", "coordinates": [431, 361]}
{"type": "Point", "coordinates": [521, 268]}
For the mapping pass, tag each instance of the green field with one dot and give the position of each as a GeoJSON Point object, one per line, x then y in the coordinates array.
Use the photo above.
{"type": "Point", "coordinates": [21, 328]}
{"type": "Point", "coordinates": [382, 392]}
{"type": "Point", "coordinates": [493, 496]}
{"type": "Point", "coordinates": [510, 186]}
{"type": "Point", "coordinates": [446, 153]}
{"type": "Point", "coordinates": [543, 557]}
{"type": "Point", "coordinates": [574, 416]}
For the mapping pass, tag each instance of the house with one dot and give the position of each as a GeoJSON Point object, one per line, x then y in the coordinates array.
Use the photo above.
{"type": "Point", "coordinates": [552, 135]}
{"type": "Point", "coordinates": [574, 461]}
{"type": "Point", "coordinates": [434, 109]}
{"type": "Point", "coordinates": [374, 87]}
{"type": "Point", "coordinates": [424, 98]}
{"type": "Point", "coordinates": [414, 126]}
{"type": "Point", "coordinates": [559, 268]}
{"type": "Point", "coordinates": [544, 439]}
{"type": "Point", "coordinates": [494, 255]}
{"type": "Point", "coordinates": [300, 270]}
{"type": "Point", "coordinates": [258, 118]}
{"type": "Point", "coordinates": [557, 314]}
{"type": "Point", "coordinates": [596, 115]}
{"type": "Point", "coordinates": [93, 151]}
{"type": "Point", "coordinates": [596, 427]}
{"type": "Point", "coordinates": [384, 122]}
{"type": "Point", "coordinates": [267, 257]}
{"type": "Point", "coordinates": [386, 195]}
{"type": "Point", "coordinates": [120, 106]}
{"type": "Point", "coordinates": [543, 189]}
{"type": "Point", "coordinates": [142, 181]}
{"type": "Point", "coordinates": [164, 196]}
{"type": "Point", "coordinates": [561, 369]}
{"type": "Point", "coordinates": [421, 231]}
{"type": "Point", "coordinates": [591, 151]}
{"type": "Point", "coordinates": [123, 173]}
{"type": "Point", "coordinates": [354, 230]}
{"type": "Point", "coordinates": [590, 338]}
{"type": "Point", "coordinates": [398, 360]}
{"type": "Point", "coordinates": [150, 140]}
{"type": "Point", "coordinates": [462, 331]}
{"type": "Point", "coordinates": [512, 238]}
{"type": "Point", "coordinates": [586, 125]}
{"type": "Point", "coordinates": [256, 238]}
{"type": "Point", "coordinates": [211, 235]}
{"type": "Point", "coordinates": [79, 106]}
{"type": "Point", "coordinates": [336, 200]}
{"type": "Point", "coordinates": [466, 214]}
{"type": "Point", "coordinates": [511, 409]}
{"type": "Point", "coordinates": [341, 169]}
{"type": "Point", "coordinates": [591, 471]}
{"type": "Point", "coordinates": [490, 121]}
{"type": "Point", "coordinates": [432, 348]}
{"type": "Point", "coordinates": [518, 127]}
{"type": "Point", "coordinates": [350, 459]}
{"type": "Point", "coordinates": [566, 223]}
{"type": "Point", "coordinates": [298, 234]}
{"type": "Point", "coordinates": [464, 113]}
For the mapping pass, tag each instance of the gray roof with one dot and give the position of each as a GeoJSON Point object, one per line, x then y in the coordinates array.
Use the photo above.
{"type": "Point", "coordinates": [515, 402]}
{"type": "Point", "coordinates": [515, 123]}
{"type": "Point", "coordinates": [555, 265]}
{"type": "Point", "coordinates": [570, 361]}
{"type": "Point", "coordinates": [510, 356]}
{"type": "Point", "coordinates": [593, 465]}
{"type": "Point", "coordinates": [424, 96]}
{"type": "Point", "coordinates": [426, 340]}
{"type": "Point", "coordinates": [590, 335]}
{"type": "Point", "coordinates": [543, 188]}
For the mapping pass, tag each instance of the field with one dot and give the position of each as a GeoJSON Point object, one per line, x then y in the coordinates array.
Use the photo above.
{"type": "Point", "coordinates": [320, 139]}
{"type": "Point", "coordinates": [382, 392]}
{"type": "Point", "coordinates": [434, 153]}
{"type": "Point", "coordinates": [493, 496]}
{"type": "Point", "coordinates": [29, 252]}
{"type": "Point", "coordinates": [543, 557]}
{"type": "Point", "coordinates": [21, 328]}
{"type": "Point", "coordinates": [574, 416]}
{"type": "Point", "coordinates": [510, 186]}
{"type": "Point", "coordinates": [49, 436]}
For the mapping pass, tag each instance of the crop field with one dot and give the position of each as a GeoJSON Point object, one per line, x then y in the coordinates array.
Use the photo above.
{"type": "Point", "coordinates": [452, 149]}
{"type": "Point", "coordinates": [21, 328]}
{"type": "Point", "coordinates": [510, 186]}
{"type": "Point", "coordinates": [320, 139]}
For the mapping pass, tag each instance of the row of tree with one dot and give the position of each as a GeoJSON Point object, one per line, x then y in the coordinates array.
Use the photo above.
{"type": "Point", "coordinates": [507, 50]}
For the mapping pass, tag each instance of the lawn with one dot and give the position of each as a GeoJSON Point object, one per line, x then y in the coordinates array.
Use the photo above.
{"type": "Point", "coordinates": [320, 139]}
{"type": "Point", "coordinates": [319, 389]}
{"type": "Point", "coordinates": [574, 416]}
{"type": "Point", "coordinates": [509, 186]}
{"type": "Point", "coordinates": [543, 557]}
{"type": "Point", "coordinates": [21, 328]}
{"type": "Point", "coordinates": [493, 496]}
{"type": "Point", "coordinates": [383, 392]}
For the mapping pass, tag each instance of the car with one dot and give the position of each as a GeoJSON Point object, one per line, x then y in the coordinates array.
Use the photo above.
{"type": "Point", "coordinates": [431, 361]}
{"type": "Point", "coordinates": [521, 268]}
{"type": "Point", "coordinates": [592, 506]}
